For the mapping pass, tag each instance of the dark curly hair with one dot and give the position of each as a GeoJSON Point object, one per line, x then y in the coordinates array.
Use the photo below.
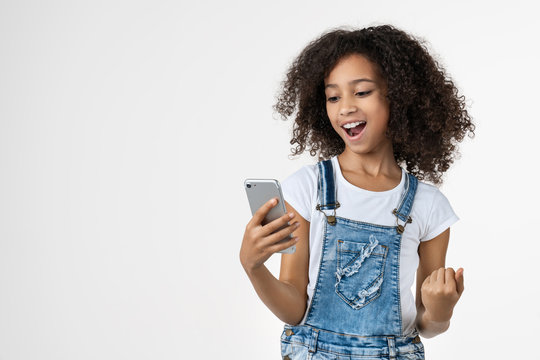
{"type": "Point", "coordinates": [427, 116]}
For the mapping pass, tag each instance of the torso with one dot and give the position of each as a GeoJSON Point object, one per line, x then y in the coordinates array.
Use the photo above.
{"type": "Point", "coordinates": [300, 190]}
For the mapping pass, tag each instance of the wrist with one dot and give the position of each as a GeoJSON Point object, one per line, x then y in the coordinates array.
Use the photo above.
{"type": "Point", "coordinates": [252, 270]}
{"type": "Point", "coordinates": [428, 326]}
{"type": "Point", "coordinates": [438, 316]}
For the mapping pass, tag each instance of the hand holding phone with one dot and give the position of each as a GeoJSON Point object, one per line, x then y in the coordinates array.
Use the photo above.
{"type": "Point", "coordinates": [269, 230]}
{"type": "Point", "coordinates": [260, 191]}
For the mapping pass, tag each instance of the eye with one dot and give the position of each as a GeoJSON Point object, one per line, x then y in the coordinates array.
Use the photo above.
{"type": "Point", "coordinates": [332, 99]}
{"type": "Point", "coordinates": [361, 93]}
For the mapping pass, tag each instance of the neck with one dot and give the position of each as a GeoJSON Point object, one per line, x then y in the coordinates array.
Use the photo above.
{"type": "Point", "coordinates": [376, 163]}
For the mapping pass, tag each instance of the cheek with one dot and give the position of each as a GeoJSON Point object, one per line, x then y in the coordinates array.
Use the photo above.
{"type": "Point", "coordinates": [384, 105]}
{"type": "Point", "coordinates": [383, 112]}
{"type": "Point", "coordinates": [329, 111]}
{"type": "Point", "coordinates": [331, 116]}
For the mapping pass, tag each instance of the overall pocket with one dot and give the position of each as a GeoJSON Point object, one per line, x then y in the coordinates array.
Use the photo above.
{"type": "Point", "coordinates": [360, 270]}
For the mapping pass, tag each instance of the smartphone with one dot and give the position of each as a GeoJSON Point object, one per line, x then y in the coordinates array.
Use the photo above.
{"type": "Point", "coordinates": [259, 191]}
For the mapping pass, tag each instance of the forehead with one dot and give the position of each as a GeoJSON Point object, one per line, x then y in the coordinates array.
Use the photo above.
{"type": "Point", "coordinates": [354, 66]}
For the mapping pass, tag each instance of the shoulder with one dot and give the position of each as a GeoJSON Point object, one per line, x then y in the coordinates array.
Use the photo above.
{"type": "Point", "coordinates": [436, 210]}
{"type": "Point", "coordinates": [431, 195]}
{"type": "Point", "coordinates": [306, 174]}
{"type": "Point", "coordinates": [300, 188]}
{"type": "Point", "coordinates": [426, 193]}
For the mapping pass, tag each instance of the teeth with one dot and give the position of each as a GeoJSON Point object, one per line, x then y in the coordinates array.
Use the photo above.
{"type": "Point", "coordinates": [354, 124]}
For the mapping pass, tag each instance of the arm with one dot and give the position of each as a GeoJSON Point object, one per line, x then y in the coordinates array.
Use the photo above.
{"type": "Point", "coordinates": [285, 297]}
{"type": "Point", "coordinates": [437, 289]}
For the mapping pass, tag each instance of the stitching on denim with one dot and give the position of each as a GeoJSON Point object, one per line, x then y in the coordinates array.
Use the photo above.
{"type": "Point", "coordinates": [408, 201]}
{"type": "Point", "coordinates": [353, 303]}
{"type": "Point", "coordinates": [400, 338]}
{"type": "Point", "coordinates": [313, 297]}
{"type": "Point", "coordinates": [356, 222]}
{"type": "Point", "coordinates": [404, 194]}
{"type": "Point", "coordinates": [400, 317]}
{"type": "Point", "coordinates": [364, 253]}
{"type": "Point", "coordinates": [383, 353]}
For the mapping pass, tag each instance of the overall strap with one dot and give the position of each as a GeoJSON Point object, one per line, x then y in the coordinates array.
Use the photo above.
{"type": "Point", "coordinates": [326, 190]}
{"type": "Point", "coordinates": [405, 204]}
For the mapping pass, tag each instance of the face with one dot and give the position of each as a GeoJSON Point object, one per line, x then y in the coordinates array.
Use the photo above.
{"type": "Point", "coordinates": [356, 104]}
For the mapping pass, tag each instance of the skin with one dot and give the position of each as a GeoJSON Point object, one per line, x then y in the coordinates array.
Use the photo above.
{"type": "Point", "coordinates": [369, 164]}
{"type": "Point", "coordinates": [285, 297]}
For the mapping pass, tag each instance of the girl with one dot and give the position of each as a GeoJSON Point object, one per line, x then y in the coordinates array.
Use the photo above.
{"type": "Point", "coordinates": [369, 101]}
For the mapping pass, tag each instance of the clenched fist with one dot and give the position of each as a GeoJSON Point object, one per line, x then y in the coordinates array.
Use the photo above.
{"type": "Point", "coordinates": [441, 291]}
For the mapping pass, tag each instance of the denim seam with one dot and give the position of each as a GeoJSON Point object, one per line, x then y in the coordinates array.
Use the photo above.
{"type": "Point", "coordinates": [356, 257]}
{"type": "Point", "coordinates": [407, 203]}
{"type": "Point", "coordinates": [356, 222]}
{"type": "Point", "coordinates": [348, 335]}
{"type": "Point", "coordinates": [383, 353]}
{"type": "Point", "coordinates": [403, 199]}
{"type": "Point", "coordinates": [313, 297]}
{"type": "Point", "coordinates": [398, 287]}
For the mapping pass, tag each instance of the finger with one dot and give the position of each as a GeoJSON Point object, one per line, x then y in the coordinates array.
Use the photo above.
{"type": "Point", "coordinates": [434, 275]}
{"type": "Point", "coordinates": [449, 275]}
{"type": "Point", "coordinates": [459, 280]}
{"type": "Point", "coordinates": [449, 280]}
{"type": "Point", "coordinates": [281, 234]}
{"type": "Point", "coordinates": [440, 275]}
{"type": "Point", "coordinates": [284, 245]}
{"type": "Point", "coordinates": [277, 224]}
{"type": "Point", "coordinates": [259, 215]}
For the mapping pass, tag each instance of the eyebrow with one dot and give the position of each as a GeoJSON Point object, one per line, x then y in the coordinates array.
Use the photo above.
{"type": "Point", "coordinates": [352, 82]}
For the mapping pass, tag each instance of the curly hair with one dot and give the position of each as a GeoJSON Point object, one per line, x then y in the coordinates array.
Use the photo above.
{"type": "Point", "coordinates": [427, 116]}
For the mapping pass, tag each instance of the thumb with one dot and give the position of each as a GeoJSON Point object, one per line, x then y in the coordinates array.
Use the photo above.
{"type": "Point", "coordinates": [459, 281]}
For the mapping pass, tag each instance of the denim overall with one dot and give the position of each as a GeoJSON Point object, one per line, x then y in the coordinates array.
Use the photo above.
{"type": "Point", "coordinates": [355, 312]}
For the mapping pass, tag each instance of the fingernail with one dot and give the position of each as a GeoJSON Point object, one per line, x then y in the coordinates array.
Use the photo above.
{"type": "Point", "coordinates": [291, 215]}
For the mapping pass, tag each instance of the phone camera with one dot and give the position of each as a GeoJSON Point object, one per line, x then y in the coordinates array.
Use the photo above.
{"type": "Point", "coordinates": [248, 186]}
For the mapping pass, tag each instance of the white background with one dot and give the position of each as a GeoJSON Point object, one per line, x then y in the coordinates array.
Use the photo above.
{"type": "Point", "coordinates": [128, 127]}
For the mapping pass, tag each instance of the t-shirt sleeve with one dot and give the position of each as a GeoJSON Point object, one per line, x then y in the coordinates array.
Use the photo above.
{"type": "Point", "coordinates": [298, 190]}
{"type": "Point", "coordinates": [441, 216]}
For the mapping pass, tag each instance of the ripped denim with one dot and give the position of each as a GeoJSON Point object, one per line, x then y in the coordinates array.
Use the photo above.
{"type": "Point", "coordinates": [360, 270]}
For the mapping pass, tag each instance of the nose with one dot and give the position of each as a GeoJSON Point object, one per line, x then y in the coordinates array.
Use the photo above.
{"type": "Point", "coordinates": [347, 106]}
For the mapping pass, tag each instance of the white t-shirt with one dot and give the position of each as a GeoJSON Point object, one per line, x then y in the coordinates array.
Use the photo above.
{"type": "Point", "coordinates": [431, 214]}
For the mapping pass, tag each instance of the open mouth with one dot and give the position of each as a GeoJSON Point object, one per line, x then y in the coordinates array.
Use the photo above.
{"type": "Point", "coordinates": [355, 129]}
